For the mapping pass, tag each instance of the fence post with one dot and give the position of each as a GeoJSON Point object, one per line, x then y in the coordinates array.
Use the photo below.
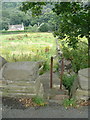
{"type": "Point", "coordinates": [51, 72]}
{"type": "Point", "coordinates": [61, 74]}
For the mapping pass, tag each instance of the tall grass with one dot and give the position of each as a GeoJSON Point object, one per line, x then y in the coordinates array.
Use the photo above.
{"type": "Point", "coordinates": [28, 47]}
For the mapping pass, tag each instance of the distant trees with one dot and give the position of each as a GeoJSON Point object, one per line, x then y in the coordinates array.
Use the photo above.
{"type": "Point", "coordinates": [11, 14]}
{"type": "Point", "coordinates": [73, 19]}
{"type": "Point", "coordinates": [44, 27]}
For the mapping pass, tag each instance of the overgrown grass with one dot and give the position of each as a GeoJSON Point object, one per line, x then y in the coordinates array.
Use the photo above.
{"type": "Point", "coordinates": [28, 47]}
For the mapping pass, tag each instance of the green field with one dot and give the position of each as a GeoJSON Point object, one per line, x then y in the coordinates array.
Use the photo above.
{"type": "Point", "coordinates": [40, 47]}
{"type": "Point", "coordinates": [28, 47]}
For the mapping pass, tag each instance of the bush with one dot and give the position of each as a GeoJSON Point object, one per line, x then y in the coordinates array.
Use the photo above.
{"type": "Point", "coordinates": [32, 28]}
{"type": "Point", "coordinates": [13, 32]}
{"type": "Point", "coordinates": [68, 81]}
{"type": "Point", "coordinates": [44, 27]}
{"type": "Point", "coordinates": [35, 28]}
{"type": "Point", "coordinates": [78, 57]}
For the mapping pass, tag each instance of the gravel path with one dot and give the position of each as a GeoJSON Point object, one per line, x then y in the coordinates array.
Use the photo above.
{"type": "Point", "coordinates": [50, 111]}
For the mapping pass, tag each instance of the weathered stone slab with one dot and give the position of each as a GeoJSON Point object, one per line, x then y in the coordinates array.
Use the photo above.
{"type": "Point", "coordinates": [2, 61]}
{"type": "Point", "coordinates": [21, 71]}
{"type": "Point", "coordinates": [59, 98]}
{"type": "Point", "coordinates": [82, 94]}
{"type": "Point", "coordinates": [84, 78]}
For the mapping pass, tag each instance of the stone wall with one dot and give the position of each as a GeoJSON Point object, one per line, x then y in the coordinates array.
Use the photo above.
{"type": "Point", "coordinates": [81, 89]}
{"type": "Point", "coordinates": [19, 79]}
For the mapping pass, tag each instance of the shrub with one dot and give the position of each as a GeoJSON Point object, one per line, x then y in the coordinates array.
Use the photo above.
{"type": "Point", "coordinates": [32, 28]}
{"type": "Point", "coordinates": [44, 27]}
{"type": "Point", "coordinates": [68, 81]}
{"type": "Point", "coordinates": [78, 57]}
{"type": "Point", "coordinates": [14, 32]}
{"type": "Point", "coordinates": [35, 28]}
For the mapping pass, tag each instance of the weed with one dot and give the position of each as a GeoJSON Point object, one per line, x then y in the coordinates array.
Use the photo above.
{"type": "Point", "coordinates": [39, 101]}
{"type": "Point", "coordinates": [68, 81]}
{"type": "Point", "coordinates": [69, 103]}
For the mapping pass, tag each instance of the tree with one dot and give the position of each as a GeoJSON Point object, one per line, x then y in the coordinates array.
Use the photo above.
{"type": "Point", "coordinates": [73, 19]}
{"type": "Point", "coordinates": [11, 14]}
{"type": "Point", "coordinates": [44, 27]}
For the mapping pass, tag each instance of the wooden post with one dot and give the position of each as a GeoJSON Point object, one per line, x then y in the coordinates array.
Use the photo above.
{"type": "Point", "coordinates": [51, 72]}
{"type": "Point", "coordinates": [61, 74]}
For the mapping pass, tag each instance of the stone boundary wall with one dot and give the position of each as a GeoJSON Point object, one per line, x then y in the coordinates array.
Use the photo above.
{"type": "Point", "coordinates": [81, 86]}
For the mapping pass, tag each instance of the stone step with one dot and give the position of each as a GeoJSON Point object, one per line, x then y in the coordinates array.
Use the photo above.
{"type": "Point", "coordinates": [5, 94]}
{"type": "Point", "coordinates": [51, 93]}
{"type": "Point", "coordinates": [57, 96]}
{"type": "Point", "coordinates": [19, 90]}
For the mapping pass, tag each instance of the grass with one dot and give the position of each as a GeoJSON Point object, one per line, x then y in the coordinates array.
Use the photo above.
{"type": "Point", "coordinates": [69, 103]}
{"type": "Point", "coordinates": [40, 47]}
{"type": "Point", "coordinates": [39, 101]}
{"type": "Point", "coordinates": [28, 47]}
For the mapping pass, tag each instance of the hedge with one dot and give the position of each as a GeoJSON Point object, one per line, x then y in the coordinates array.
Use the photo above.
{"type": "Point", "coordinates": [10, 32]}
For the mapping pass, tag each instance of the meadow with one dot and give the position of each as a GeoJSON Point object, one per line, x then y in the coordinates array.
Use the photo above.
{"type": "Point", "coordinates": [28, 47]}
{"type": "Point", "coordinates": [40, 47]}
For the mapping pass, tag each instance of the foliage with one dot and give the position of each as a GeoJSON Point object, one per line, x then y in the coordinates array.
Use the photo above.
{"type": "Point", "coordinates": [78, 57]}
{"type": "Point", "coordinates": [33, 28]}
{"type": "Point", "coordinates": [72, 16]}
{"type": "Point", "coordinates": [44, 27]}
{"type": "Point", "coordinates": [73, 21]}
{"type": "Point", "coordinates": [35, 7]}
{"type": "Point", "coordinates": [12, 32]}
{"type": "Point", "coordinates": [3, 25]}
{"type": "Point", "coordinates": [39, 101]}
{"type": "Point", "coordinates": [68, 81]}
{"type": "Point", "coordinates": [13, 15]}
{"type": "Point", "coordinates": [69, 103]}
{"type": "Point", "coordinates": [32, 102]}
